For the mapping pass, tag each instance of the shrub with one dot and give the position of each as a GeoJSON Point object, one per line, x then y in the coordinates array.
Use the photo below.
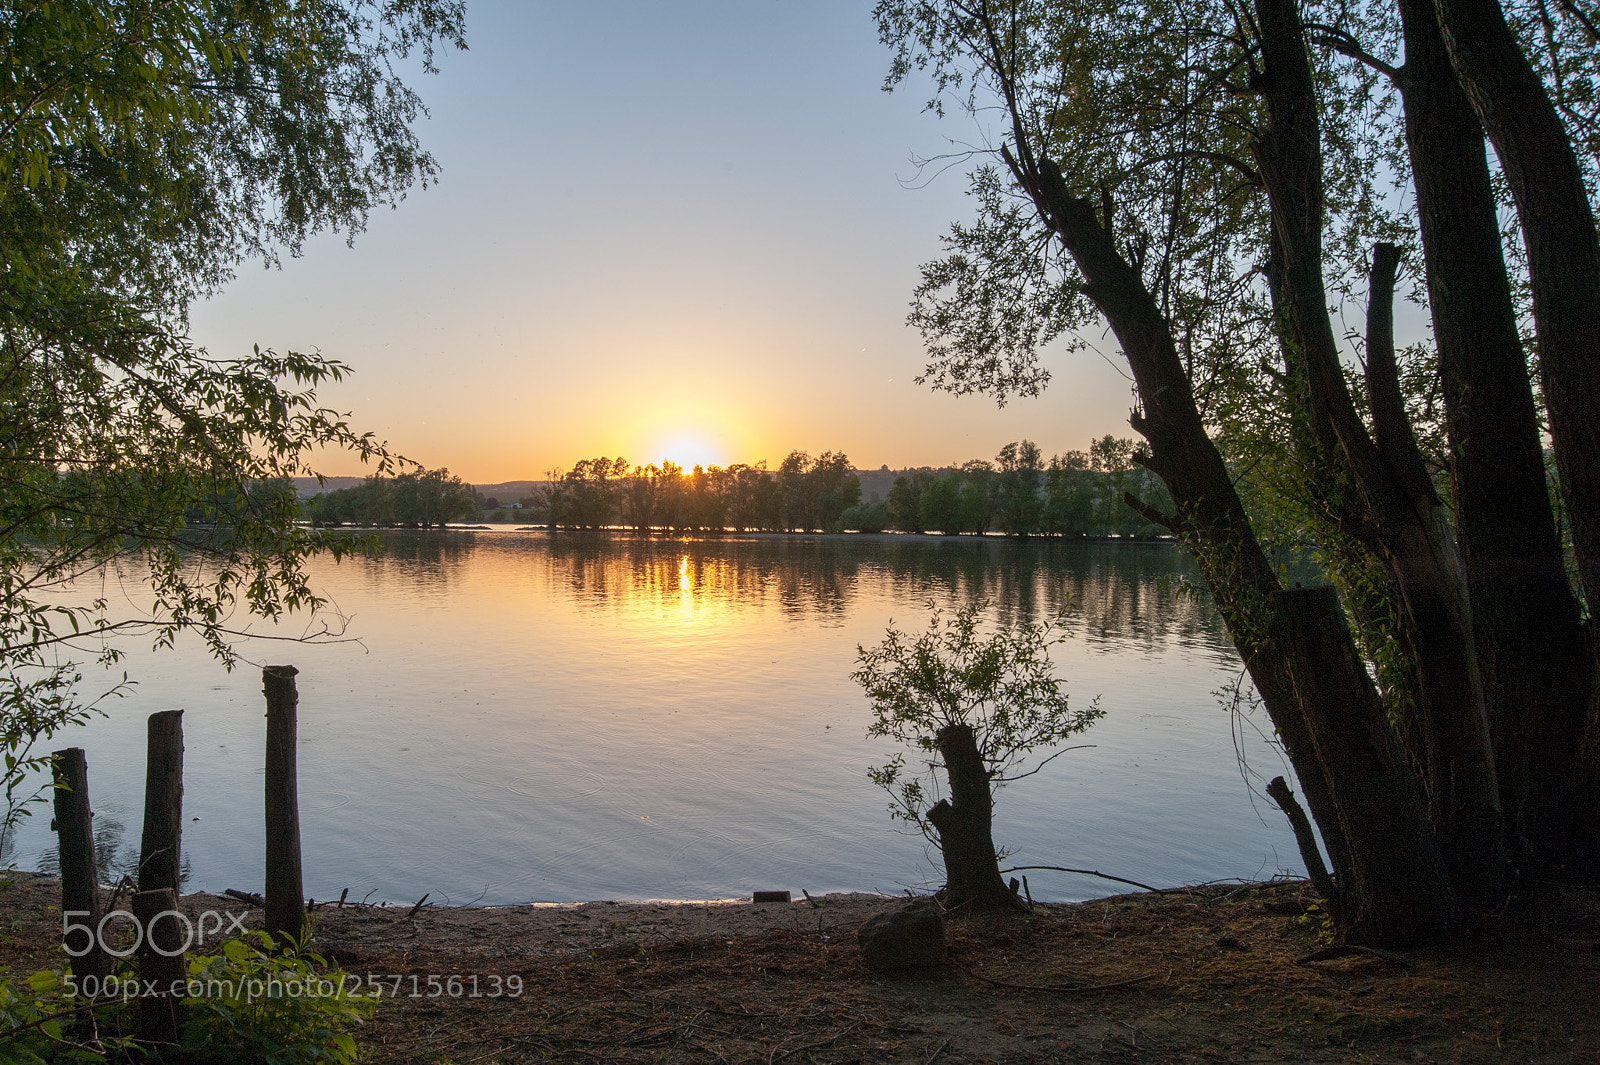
{"type": "Point", "coordinates": [976, 707]}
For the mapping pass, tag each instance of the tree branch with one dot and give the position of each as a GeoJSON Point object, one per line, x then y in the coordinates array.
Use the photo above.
{"type": "Point", "coordinates": [1345, 44]}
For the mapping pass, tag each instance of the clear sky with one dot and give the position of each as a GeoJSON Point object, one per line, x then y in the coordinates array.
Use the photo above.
{"type": "Point", "coordinates": [682, 230]}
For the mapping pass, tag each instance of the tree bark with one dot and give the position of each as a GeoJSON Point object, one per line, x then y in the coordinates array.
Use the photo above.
{"type": "Point", "coordinates": [1407, 520]}
{"type": "Point", "coordinates": [1558, 230]}
{"type": "Point", "coordinates": [1391, 428]}
{"type": "Point", "coordinates": [1525, 618]}
{"type": "Point", "coordinates": [1397, 889]}
{"type": "Point", "coordinates": [965, 823]}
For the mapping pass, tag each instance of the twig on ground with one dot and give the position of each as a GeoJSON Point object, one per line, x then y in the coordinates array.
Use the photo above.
{"type": "Point", "coordinates": [1098, 873]}
{"type": "Point", "coordinates": [1080, 989]}
{"type": "Point", "coordinates": [1346, 949]}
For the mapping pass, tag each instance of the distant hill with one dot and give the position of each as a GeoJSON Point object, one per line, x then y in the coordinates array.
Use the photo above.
{"type": "Point", "coordinates": [510, 491]}
{"type": "Point", "coordinates": [875, 484]}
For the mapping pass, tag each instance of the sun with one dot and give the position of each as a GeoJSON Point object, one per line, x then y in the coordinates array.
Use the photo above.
{"type": "Point", "coordinates": [689, 450]}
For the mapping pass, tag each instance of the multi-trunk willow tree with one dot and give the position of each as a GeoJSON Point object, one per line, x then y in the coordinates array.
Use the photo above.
{"type": "Point", "coordinates": [1209, 179]}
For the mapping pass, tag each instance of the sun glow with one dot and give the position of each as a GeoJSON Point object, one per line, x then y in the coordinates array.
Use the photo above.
{"type": "Point", "coordinates": [689, 450]}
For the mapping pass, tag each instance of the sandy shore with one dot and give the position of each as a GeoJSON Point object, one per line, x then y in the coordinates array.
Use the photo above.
{"type": "Point", "coordinates": [1216, 974]}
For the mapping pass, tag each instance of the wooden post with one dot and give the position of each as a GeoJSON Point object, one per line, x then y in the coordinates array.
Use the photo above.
{"type": "Point", "coordinates": [80, 880]}
{"type": "Point", "coordinates": [286, 913]}
{"type": "Point", "coordinates": [159, 848]}
{"type": "Point", "coordinates": [162, 966]}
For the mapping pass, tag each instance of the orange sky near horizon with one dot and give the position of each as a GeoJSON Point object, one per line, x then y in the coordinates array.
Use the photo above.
{"type": "Point", "coordinates": [682, 231]}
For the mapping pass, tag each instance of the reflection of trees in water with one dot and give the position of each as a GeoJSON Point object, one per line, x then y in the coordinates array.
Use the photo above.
{"type": "Point", "coordinates": [802, 578]}
{"type": "Point", "coordinates": [1111, 591]}
{"type": "Point", "coordinates": [1116, 592]}
{"type": "Point", "coordinates": [422, 558]}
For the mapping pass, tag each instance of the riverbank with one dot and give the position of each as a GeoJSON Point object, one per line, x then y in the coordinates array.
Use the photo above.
{"type": "Point", "coordinates": [1216, 974]}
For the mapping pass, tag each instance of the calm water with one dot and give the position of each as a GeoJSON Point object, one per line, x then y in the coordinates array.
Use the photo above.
{"type": "Point", "coordinates": [571, 717]}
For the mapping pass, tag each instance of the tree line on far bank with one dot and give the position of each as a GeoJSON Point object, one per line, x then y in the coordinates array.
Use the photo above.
{"type": "Point", "coordinates": [1020, 493]}
{"type": "Point", "coordinates": [420, 498]}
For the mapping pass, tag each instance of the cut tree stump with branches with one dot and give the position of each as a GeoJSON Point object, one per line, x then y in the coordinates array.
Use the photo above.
{"type": "Point", "coordinates": [977, 706]}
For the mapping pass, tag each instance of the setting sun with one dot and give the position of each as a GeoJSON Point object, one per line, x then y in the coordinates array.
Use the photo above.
{"type": "Point", "coordinates": [688, 450]}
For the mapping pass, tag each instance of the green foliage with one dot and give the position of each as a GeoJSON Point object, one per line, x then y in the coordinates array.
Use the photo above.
{"type": "Point", "coordinates": [422, 497]}
{"type": "Point", "coordinates": [239, 1017]}
{"type": "Point", "coordinates": [149, 148]}
{"type": "Point", "coordinates": [940, 507]}
{"type": "Point", "coordinates": [30, 1027]}
{"type": "Point", "coordinates": [1080, 493]}
{"type": "Point", "coordinates": [866, 517]}
{"type": "Point", "coordinates": [146, 150]}
{"type": "Point", "coordinates": [803, 494]}
{"type": "Point", "coordinates": [1002, 685]}
{"type": "Point", "coordinates": [905, 500]}
{"type": "Point", "coordinates": [1017, 496]}
{"type": "Point", "coordinates": [252, 1006]}
{"type": "Point", "coordinates": [586, 496]}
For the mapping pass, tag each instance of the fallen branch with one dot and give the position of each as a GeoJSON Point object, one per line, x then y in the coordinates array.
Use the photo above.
{"type": "Point", "coordinates": [246, 896]}
{"type": "Point", "coordinates": [1081, 989]}
{"type": "Point", "coordinates": [1305, 838]}
{"type": "Point", "coordinates": [1098, 873]}
{"type": "Point", "coordinates": [1344, 950]}
{"type": "Point", "coordinates": [418, 906]}
{"type": "Point", "coordinates": [834, 1038]}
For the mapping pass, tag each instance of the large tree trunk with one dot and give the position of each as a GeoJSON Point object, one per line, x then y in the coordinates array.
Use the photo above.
{"type": "Point", "coordinates": [1525, 618]}
{"type": "Point", "coordinates": [1558, 229]}
{"type": "Point", "coordinates": [965, 823]}
{"type": "Point", "coordinates": [1212, 522]}
{"type": "Point", "coordinates": [1386, 892]}
{"type": "Point", "coordinates": [1406, 520]}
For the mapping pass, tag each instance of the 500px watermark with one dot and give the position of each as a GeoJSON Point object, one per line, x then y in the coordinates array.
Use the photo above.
{"type": "Point", "coordinates": [250, 989]}
{"type": "Point", "coordinates": [335, 985]}
{"type": "Point", "coordinates": [79, 937]}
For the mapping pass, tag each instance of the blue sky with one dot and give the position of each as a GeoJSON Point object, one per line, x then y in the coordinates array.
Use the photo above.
{"type": "Point", "coordinates": [679, 230]}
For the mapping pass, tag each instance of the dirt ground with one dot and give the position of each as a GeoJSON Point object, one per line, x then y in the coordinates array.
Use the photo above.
{"type": "Point", "coordinates": [1215, 975]}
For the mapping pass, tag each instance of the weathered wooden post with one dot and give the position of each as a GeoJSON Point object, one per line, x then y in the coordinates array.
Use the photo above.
{"type": "Point", "coordinates": [80, 880]}
{"type": "Point", "coordinates": [159, 848]}
{"type": "Point", "coordinates": [163, 970]}
{"type": "Point", "coordinates": [286, 913]}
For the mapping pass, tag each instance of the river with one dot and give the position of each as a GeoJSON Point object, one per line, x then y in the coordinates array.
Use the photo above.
{"type": "Point", "coordinates": [520, 716]}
